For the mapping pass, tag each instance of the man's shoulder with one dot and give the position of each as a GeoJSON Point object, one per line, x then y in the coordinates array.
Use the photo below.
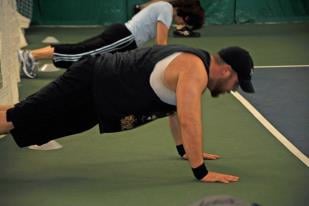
{"type": "Point", "coordinates": [192, 58]}
{"type": "Point", "coordinates": [199, 55]}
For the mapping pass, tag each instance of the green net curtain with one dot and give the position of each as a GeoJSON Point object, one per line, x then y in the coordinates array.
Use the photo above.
{"type": "Point", "coordinates": [101, 12]}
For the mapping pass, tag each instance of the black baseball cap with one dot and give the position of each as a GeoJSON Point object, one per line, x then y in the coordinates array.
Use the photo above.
{"type": "Point", "coordinates": [241, 62]}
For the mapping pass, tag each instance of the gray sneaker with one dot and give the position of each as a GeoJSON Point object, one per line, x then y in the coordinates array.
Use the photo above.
{"type": "Point", "coordinates": [28, 64]}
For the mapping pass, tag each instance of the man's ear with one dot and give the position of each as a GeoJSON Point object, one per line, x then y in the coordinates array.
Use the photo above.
{"type": "Point", "coordinates": [226, 70]}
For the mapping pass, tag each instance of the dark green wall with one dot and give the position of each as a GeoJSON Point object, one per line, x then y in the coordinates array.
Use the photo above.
{"type": "Point", "coordinates": [100, 12]}
{"type": "Point", "coordinates": [255, 11]}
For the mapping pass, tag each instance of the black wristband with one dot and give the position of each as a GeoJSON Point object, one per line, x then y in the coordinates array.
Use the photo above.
{"type": "Point", "coordinates": [181, 150]}
{"type": "Point", "coordinates": [200, 171]}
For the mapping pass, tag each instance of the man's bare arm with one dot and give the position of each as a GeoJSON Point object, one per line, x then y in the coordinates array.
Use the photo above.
{"type": "Point", "coordinates": [190, 86]}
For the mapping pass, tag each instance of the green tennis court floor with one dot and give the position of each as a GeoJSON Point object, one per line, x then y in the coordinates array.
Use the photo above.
{"type": "Point", "coordinates": [140, 167]}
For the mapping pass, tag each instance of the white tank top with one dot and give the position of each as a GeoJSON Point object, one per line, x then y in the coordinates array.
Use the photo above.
{"type": "Point", "coordinates": [156, 80]}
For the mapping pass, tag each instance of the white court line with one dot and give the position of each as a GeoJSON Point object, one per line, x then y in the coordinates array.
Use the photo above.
{"type": "Point", "coordinates": [48, 68]}
{"type": "Point", "coordinates": [272, 129]}
{"type": "Point", "coordinates": [44, 67]}
{"type": "Point", "coordinates": [281, 66]}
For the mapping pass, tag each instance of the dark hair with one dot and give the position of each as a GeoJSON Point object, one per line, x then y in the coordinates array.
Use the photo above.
{"type": "Point", "coordinates": [191, 11]}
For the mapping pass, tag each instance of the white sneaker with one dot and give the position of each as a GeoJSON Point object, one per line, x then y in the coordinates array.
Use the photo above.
{"type": "Point", "coordinates": [51, 145]}
{"type": "Point", "coordinates": [28, 64]}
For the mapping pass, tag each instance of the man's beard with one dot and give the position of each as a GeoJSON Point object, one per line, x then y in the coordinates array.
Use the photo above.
{"type": "Point", "coordinates": [217, 89]}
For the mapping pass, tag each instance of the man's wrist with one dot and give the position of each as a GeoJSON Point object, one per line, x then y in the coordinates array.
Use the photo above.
{"type": "Point", "coordinates": [181, 150]}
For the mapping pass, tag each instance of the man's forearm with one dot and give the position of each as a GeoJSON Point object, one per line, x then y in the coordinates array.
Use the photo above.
{"type": "Point", "coordinates": [174, 126]}
{"type": "Point", "coordinates": [175, 130]}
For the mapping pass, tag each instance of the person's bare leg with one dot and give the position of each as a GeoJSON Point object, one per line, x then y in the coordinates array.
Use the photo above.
{"type": "Point", "coordinates": [5, 126]}
{"type": "Point", "coordinates": [5, 107]}
{"type": "Point", "coordinates": [43, 53]}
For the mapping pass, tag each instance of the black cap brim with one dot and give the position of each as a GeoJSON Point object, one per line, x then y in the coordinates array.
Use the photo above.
{"type": "Point", "coordinates": [247, 86]}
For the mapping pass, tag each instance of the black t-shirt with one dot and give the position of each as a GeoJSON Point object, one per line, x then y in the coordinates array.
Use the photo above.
{"type": "Point", "coordinates": [123, 96]}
